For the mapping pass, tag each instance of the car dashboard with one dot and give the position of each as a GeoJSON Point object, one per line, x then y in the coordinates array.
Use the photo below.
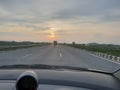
{"type": "Point", "coordinates": [25, 79]}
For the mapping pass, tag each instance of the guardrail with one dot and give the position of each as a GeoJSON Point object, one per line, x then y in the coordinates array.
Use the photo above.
{"type": "Point", "coordinates": [106, 56]}
{"type": "Point", "coordinates": [102, 55]}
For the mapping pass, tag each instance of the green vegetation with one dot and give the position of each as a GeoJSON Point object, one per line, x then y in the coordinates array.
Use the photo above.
{"type": "Point", "coordinates": [7, 45]}
{"type": "Point", "coordinates": [104, 48]}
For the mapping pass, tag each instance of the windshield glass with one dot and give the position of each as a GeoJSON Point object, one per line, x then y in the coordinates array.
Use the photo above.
{"type": "Point", "coordinates": [78, 33]}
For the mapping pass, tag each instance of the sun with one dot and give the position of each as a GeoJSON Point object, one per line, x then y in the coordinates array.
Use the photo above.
{"type": "Point", "coordinates": [52, 34]}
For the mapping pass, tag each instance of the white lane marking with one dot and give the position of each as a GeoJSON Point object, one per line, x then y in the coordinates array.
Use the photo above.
{"type": "Point", "coordinates": [27, 55]}
{"type": "Point", "coordinates": [60, 54]}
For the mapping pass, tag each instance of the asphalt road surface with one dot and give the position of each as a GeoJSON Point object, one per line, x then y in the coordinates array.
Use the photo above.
{"type": "Point", "coordinates": [56, 55]}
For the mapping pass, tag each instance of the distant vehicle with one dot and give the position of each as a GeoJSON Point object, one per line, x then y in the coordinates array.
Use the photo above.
{"type": "Point", "coordinates": [55, 43]}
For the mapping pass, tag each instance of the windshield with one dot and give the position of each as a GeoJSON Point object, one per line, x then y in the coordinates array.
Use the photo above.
{"type": "Point", "coordinates": [76, 33]}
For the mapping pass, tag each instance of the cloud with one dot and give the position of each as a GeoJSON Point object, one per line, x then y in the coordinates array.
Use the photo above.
{"type": "Point", "coordinates": [74, 18]}
{"type": "Point", "coordinates": [40, 11]}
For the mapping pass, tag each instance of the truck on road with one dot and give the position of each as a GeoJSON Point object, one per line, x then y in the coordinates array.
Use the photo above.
{"type": "Point", "coordinates": [54, 43]}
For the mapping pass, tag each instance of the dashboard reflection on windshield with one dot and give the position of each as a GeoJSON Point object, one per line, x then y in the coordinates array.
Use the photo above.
{"type": "Point", "coordinates": [58, 87]}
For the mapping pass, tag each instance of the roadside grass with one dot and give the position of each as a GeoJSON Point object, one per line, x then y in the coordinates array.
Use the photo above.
{"type": "Point", "coordinates": [108, 49]}
{"type": "Point", "coordinates": [17, 47]}
{"type": "Point", "coordinates": [12, 45]}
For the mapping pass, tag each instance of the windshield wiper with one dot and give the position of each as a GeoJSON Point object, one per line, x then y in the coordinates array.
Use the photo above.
{"type": "Point", "coordinates": [52, 67]}
{"type": "Point", "coordinates": [40, 66]}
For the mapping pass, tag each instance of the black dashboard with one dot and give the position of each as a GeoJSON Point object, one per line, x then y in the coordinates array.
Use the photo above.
{"type": "Point", "coordinates": [36, 79]}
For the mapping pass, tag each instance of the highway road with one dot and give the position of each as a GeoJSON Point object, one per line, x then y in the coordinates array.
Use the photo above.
{"type": "Point", "coordinates": [56, 55]}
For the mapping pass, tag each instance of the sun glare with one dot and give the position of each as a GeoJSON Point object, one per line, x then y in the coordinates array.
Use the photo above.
{"type": "Point", "coordinates": [52, 34]}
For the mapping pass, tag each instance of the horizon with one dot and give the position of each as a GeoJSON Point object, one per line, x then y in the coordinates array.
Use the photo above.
{"type": "Point", "coordinates": [63, 42]}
